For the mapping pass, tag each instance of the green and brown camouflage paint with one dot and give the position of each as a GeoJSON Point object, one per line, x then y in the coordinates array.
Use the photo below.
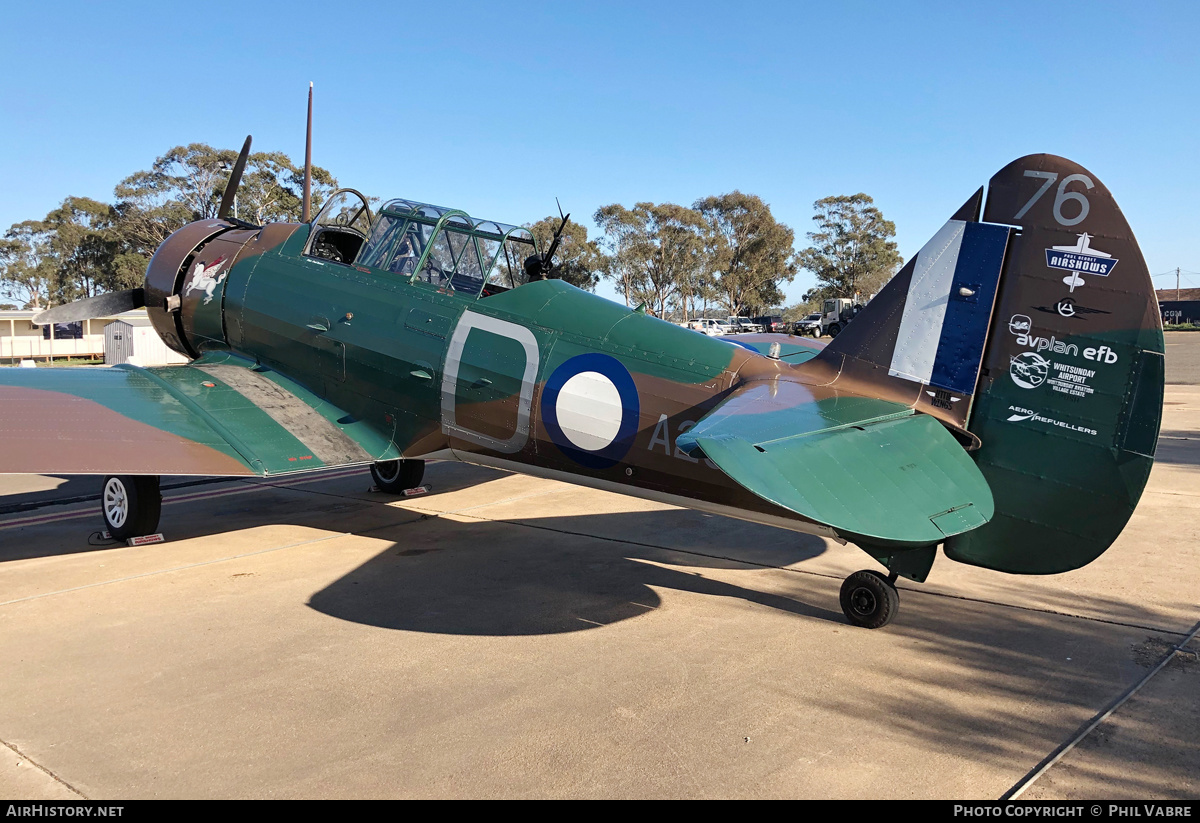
{"type": "Point", "coordinates": [403, 368]}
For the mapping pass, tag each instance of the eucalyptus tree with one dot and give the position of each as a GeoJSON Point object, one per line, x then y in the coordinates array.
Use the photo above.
{"type": "Point", "coordinates": [749, 252]}
{"type": "Point", "coordinates": [852, 251]}
{"type": "Point", "coordinates": [578, 261]}
{"type": "Point", "coordinates": [653, 248]}
{"type": "Point", "coordinates": [26, 271]}
{"type": "Point", "coordinates": [187, 183]}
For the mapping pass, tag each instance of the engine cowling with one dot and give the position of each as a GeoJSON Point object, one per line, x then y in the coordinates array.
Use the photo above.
{"type": "Point", "coordinates": [185, 284]}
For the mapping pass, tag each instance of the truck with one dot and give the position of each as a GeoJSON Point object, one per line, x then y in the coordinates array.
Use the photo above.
{"type": "Point", "coordinates": [836, 312]}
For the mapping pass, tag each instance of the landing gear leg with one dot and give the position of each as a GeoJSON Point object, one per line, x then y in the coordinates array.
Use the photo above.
{"type": "Point", "coordinates": [394, 476]}
{"type": "Point", "coordinates": [869, 599]}
{"type": "Point", "coordinates": [131, 505]}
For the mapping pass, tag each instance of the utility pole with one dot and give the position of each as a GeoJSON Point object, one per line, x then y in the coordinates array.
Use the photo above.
{"type": "Point", "coordinates": [1176, 282]}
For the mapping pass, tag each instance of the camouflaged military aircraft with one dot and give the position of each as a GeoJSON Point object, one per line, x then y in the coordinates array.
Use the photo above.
{"type": "Point", "coordinates": [1000, 397]}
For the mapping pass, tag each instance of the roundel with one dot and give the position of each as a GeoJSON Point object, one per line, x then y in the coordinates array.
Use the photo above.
{"type": "Point", "coordinates": [590, 409]}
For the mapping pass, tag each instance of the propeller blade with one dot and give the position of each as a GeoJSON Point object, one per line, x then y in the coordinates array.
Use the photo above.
{"type": "Point", "coordinates": [102, 305]}
{"type": "Point", "coordinates": [235, 177]}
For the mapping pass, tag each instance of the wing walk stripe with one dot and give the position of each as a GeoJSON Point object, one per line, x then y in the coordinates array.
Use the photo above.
{"type": "Point", "coordinates": [327, 442]}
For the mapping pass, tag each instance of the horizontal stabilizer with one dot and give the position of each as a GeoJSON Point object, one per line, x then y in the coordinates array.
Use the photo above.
{"type": "Point", "coordinates": [874, 471]}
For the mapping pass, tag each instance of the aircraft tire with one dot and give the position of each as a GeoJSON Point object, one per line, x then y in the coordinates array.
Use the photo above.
{"type": "Point", "coordinates": [869, 600]}
{"type": "Point", "coordinates": [394, 476]}
{"type": "Point", "coordinates": [131, 505]}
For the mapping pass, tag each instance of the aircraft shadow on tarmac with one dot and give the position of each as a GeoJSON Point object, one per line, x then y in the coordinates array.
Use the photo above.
{"type": "Point", "coordinates": [553, 575]}
{"type": "Point", "coordinates": [556, 574]}
{"type": "Point", "coordinates": [1180, 447]}
{"type": "Point", "coordinates": [72, 488]}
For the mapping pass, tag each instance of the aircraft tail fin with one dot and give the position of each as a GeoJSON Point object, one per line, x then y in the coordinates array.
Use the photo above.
{"type": "Point", "coordinates": [1070, 402]}
{"type": "Point", "coordinates": [1036, 335]}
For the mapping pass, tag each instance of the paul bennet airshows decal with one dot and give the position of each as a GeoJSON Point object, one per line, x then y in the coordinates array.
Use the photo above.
{"type": "Point", "coordinates": [590, 410]}
{"type": "Point", "coordinates": [1079, 259]}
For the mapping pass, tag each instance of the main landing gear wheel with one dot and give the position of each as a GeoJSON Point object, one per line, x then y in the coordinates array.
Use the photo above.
{"type": "Point", "coordinates": [869, 599]}
{"type": "Point", "coordinates": [394, 476]}
{"type": "Point", "coordinates": [131, 505]}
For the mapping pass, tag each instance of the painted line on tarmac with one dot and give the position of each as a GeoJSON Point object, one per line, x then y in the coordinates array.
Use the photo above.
{"type": "Point", "coordinates": [242, 487]}
{"type": "Point", "coordinates": [1087, 728]}
{"type": "Point", "coordinates": [178, 568]}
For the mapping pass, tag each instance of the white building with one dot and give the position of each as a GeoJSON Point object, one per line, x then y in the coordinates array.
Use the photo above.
{"type": "Point", "coordinates": [131, 339]}
{"type": "Point", "coordinates": [21, 340]}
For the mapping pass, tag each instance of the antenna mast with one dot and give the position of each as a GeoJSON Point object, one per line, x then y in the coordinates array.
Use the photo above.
{"type": "Point", "coordinates": [306, 206]}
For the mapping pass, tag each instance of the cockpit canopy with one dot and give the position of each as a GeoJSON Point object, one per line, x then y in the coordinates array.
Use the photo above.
{"type": "Point", "coordinates": [447, 248]}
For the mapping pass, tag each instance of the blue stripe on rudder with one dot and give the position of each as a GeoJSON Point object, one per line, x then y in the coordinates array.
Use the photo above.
{"type": "Point", "coordinates": [964, 330]}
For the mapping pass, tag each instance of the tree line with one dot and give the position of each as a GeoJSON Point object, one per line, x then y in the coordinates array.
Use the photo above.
{"type": "Point", "coordinates": [725, 251]}
{"type": "Point", "coordinates": [87, 247]}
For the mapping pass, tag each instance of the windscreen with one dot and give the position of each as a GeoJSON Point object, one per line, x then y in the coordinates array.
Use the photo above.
{"type": "Point", "coordinates": [508, 270]}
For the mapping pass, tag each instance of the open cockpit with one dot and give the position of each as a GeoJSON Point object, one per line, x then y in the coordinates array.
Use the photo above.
{"type": "Point", "coordinates": [433, 245]}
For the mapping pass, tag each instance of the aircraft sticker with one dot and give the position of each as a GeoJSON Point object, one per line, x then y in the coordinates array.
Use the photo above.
{"type": "Point", "coordinates": [1079, 259]}
{"type": "Point", "coordinates": [1067, 307]}
{"type": "Point", "coordinates": [1029, 370]}
{"type": "Point", "coordinates": [1021, 415]}
{"type": "Point", "coordinates": [205, 279]}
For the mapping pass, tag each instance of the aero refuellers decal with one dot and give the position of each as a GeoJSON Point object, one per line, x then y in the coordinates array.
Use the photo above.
{"type": "Point", "coordinates": [590, 410]}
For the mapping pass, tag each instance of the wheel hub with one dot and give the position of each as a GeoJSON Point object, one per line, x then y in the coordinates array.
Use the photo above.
{"type": "Point", "coordinates": [116, 503]}
{"type": "Point", "coordinates": [863, 601]}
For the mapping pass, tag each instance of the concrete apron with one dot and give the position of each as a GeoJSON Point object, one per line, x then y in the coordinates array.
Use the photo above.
{"type": "Point", "coordinates": [512, 637]}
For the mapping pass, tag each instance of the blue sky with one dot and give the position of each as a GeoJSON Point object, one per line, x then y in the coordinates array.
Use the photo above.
{"type": "Point", "coordinates": [498, 108]}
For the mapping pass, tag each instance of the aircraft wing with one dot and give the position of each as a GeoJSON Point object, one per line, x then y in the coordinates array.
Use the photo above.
{"type": "Point", "coordinates": [220, 415]}
{"type": "Point", "coordinates": [873, 470]}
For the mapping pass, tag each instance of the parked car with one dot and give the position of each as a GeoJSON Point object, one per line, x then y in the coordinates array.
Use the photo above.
{"type": "Point", "coordinates": [772, 323]}
{"type": "Point", "coordinates": [711, 327]}
{"type": "Point", "coordinates": [811, 324]}
{"type": "Point", "coordinates": [741, 325]}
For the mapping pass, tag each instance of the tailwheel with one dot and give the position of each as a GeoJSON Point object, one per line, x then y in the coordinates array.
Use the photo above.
{"type": "Point", "coordinates": [869, 599]}
{"type": "Point", "coordinates": [395, 476]}
{"type": "Point", "coordinates": [131, 505]}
